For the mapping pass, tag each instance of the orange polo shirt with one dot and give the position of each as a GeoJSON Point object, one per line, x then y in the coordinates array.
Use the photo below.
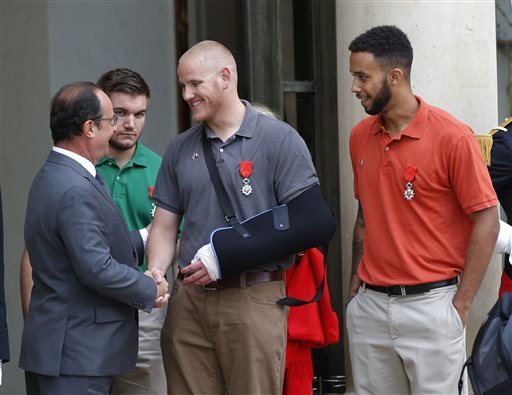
{"type": "Point", "coordinates": [423, 239]}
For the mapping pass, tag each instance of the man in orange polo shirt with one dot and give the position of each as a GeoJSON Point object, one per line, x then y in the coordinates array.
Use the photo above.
{"type": "Point", "coordinates": [425, 230]}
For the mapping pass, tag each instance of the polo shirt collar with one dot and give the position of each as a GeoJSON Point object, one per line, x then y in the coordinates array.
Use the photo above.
{"type": "Point", "coordinates": [102, 160]}
{"type": "Point", "coordinates": [248, 126]}
{"type": "Point", "coordinates": [139, 158]}
{"type": "Point", "coordinates": [416, 127]}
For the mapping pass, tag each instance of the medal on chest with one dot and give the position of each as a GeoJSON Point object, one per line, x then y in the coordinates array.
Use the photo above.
{"type": "Point", "coordinates": [409, 176]}
{"type": "Point", "coordinates": [245, 172]}
{"type": "Point", "coordinates": [153, 205]}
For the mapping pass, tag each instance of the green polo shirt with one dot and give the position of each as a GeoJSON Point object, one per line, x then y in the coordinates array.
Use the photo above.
{"type": "Point", "coordinates": [130, 186]}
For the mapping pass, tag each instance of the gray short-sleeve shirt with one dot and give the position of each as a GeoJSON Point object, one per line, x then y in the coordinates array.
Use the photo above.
{"type": "Point", "coordinates": [281, 170]}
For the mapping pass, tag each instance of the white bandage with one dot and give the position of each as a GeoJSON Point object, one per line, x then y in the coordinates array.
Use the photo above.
{"type": "Point", "coordinates": [206, 255]}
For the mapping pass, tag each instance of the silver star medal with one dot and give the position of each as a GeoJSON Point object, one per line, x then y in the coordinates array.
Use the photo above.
{"type": "Point", "coordinates": [409, 192]}
{"type": "Point", "coordinates": [246, 187]}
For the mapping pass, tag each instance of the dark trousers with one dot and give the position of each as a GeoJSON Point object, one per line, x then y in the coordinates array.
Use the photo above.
{"type": "Point", "coordinates": [39, 384]}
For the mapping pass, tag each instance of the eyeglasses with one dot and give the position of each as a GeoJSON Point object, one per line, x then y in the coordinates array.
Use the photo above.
{"type": "Point", "coordinates": [112, 120]}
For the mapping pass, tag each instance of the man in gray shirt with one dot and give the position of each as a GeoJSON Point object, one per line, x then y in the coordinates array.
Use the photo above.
{"type": "Point", "coordinates": [227, 334]}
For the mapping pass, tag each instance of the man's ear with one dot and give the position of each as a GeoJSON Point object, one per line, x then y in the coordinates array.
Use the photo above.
{"type": "Point", "coordinates": [395, 76]}
{"type": "Point", "coordinates": [87, 129]}
{"type": "Point", "coordinates": [225, 75]}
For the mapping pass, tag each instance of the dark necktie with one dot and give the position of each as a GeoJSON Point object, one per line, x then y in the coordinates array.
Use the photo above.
{"type": "Point", "coordinates": [101, 181]}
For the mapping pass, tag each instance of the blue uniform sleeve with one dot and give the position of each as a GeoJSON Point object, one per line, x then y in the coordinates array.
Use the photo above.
{"type": "Point", "coordinates": [500, 169]}
{"type": "Point", "coordinates": [501, 160]}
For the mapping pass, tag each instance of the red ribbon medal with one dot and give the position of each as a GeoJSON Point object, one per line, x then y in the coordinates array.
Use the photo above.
{"type": "Point", "coordinates": [153, 205]}
{"type": "Point", "coordinates": [245, 172]}
{"type": "Point", "coordinates": [409, 176]}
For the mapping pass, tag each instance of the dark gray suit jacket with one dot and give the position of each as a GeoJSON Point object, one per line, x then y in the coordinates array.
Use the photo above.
{"type": "Point", "coordinates": [82, 318]}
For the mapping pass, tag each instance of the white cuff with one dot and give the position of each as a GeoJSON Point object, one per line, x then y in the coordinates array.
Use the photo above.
{"type": "Point", "coordinates": [206, 255]}
{"type": "Point", "coordinates": [504, 242]}
{"type": "Point", "coordinates": [144, 236]}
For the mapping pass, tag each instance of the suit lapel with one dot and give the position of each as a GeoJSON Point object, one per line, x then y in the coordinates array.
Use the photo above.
{"type": "Point", "coordinates": [64, 160]}
{"type": "Point", "coordinates": [60, 159]}
{"type": "Point", "coordinates": [100, 187]}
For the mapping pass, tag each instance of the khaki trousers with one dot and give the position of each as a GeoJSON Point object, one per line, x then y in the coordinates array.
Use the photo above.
{"type": "Point", "coordinates": [225, 341]}
{"type": "Point", "coordinates": [148, 376]}
{"type": "Point", "coordinates": [412, 344]}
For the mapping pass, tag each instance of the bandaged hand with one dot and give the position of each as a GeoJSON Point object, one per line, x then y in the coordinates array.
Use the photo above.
{"type": "Point", "coordinates": [207, 257]}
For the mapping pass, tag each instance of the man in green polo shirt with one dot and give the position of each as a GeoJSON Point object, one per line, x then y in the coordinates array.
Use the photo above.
{"type": "Point", "coordinates": [131, 185]}
{"type": "Point", "coordinates": [130, 171]}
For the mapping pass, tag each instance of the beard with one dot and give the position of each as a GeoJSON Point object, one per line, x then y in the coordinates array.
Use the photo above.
{"type": "Point", "coordinates": [381, 99]}
{"type": "Point", "coordinates": [121, 146]}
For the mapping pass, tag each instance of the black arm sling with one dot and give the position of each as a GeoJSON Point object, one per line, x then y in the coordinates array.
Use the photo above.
{"type": "Point", "coordinates": [242, 230]}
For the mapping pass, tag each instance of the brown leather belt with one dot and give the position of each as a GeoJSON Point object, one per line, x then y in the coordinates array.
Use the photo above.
{"type": "Point", "coordinates": [402, 290]}
{"type": "Point", "coordinates": [242, 280]}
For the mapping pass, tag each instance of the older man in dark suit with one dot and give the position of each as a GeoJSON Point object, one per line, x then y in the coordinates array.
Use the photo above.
{"type": "Point", "coordinates": [81, 328]}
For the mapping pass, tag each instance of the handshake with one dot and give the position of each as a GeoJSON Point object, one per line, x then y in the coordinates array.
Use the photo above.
{"type": "Point", "coordinates": [162, 294]}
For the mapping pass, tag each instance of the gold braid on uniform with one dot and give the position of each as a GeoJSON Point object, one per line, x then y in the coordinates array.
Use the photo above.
{"type": "Point", "coordinates": [485, 140]}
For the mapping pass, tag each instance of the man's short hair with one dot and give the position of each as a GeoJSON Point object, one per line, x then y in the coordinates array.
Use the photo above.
{"type": "Point", "coordinates": [388, 44]}
{"type": "Point", "coordinates": [71, 107]}
{"type": "Point", "coordinates": [123, 80]}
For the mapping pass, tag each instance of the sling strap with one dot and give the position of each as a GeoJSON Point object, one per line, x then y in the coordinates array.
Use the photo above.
{"type": "Point", "coordinates": [222, 195]}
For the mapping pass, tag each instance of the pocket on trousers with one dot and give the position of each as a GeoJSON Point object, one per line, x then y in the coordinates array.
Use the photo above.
{"type": "Point", "coordinates": [350, 312]}
{"type": "Point", "coordinates": [267, 293]}
{"type": "Point", "coordinates": [445, 296]}
{"type": "Point", "coordinates": [349, 302]}
{"type": "Point", "coordinates": [456, 317]}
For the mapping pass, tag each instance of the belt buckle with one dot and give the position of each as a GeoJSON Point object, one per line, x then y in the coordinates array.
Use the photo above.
{"type": "Point", "coordinates": [213, 286]}
{"type": "Point", "coordinates": [402, 290]}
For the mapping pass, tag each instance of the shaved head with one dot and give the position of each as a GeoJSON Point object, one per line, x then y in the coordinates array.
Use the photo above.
{"type": "Point", "coordinates": [208, 79]}
{"type": "Point", "coordinates": [211, 56]}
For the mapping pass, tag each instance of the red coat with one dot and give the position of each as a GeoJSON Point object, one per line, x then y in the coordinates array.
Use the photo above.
{"type": "Point", "coordinates": [311, 325]}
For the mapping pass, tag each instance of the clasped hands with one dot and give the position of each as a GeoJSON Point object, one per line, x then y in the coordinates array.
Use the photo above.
{"type": "Point", "coordinates": [162, 294]}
